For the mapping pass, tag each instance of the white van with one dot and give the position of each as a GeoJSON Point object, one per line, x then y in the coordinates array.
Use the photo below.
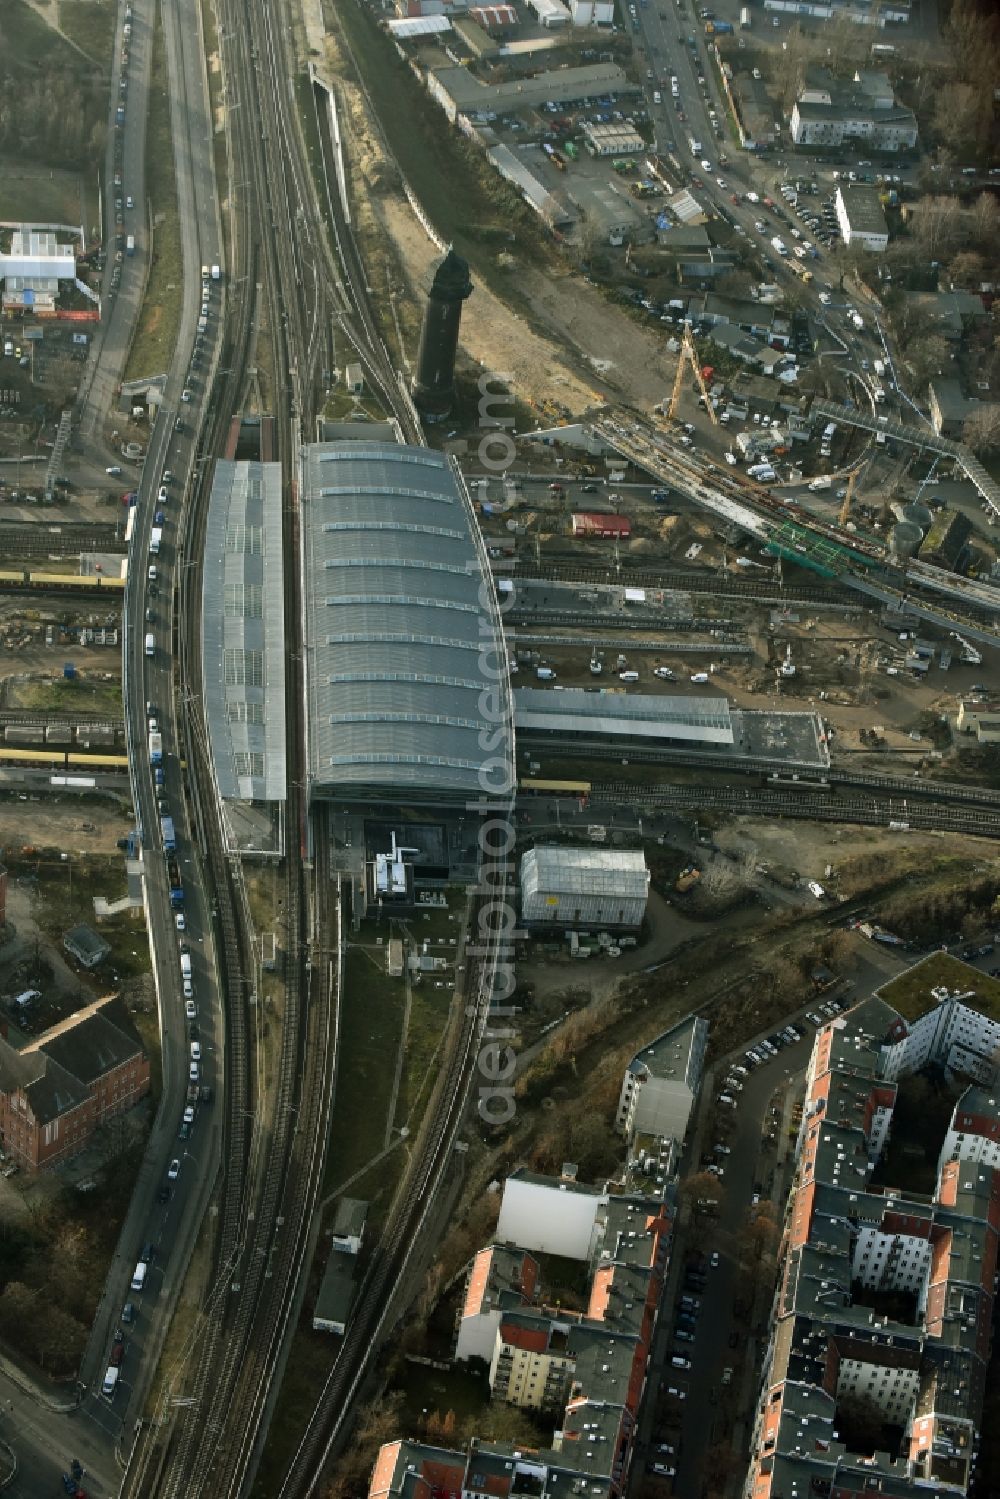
{"type": "Point", "coordinates": [139, 1276]}
{"type": "Point", "coordinates": [110, 1382]}
{"type": "Point", "coordinates": [28, 997]}
{"type": "Point", "coordinates": [150, 645]}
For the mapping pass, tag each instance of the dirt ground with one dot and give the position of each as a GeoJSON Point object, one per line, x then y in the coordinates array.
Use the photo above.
{"type": "Point", "coordinates": [609, 357]}
{"type": "Point", "coordinates": [810, 846]}
{"type": "Point", "coordinates": [74, 824]}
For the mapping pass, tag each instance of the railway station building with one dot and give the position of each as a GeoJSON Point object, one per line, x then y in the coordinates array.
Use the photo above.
{"type": "Point", "coordinates": [407, 701]}
{"type": "Point", "coordinates": [243, 652]}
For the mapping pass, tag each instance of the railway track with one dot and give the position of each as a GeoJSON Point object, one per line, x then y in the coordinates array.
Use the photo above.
{"type": "Point", "coordinates": [721, 585]}
{"type": "Point", "coordinates": [63, 540]}
{"type": "Point", "coordinates": [211, 1440]}
{"type": "Point", "coordinates": [809, 780]}
{"type": "Point", "coordinates": [277, 1098]}
{"type": "Point", "coordinates": [374, 1306]}
{"type": "Point", "coordinates": [870, 811]}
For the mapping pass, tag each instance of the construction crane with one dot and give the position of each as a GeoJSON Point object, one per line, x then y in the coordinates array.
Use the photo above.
{"type": "Point", "coordinates": [689, 352]}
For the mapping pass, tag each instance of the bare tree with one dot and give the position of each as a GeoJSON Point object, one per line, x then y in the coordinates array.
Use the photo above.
{"type": "Point", "coordinates": [968, 268]}
{"type": "Point", "coordinates": [986, 222]}
{"type": "Point", "coordinates": [926, 357]}
{"type": "Point", "coordinates": [957, 118]}
{"type": "Point", "coordinates": [938, 226]}
{"type": "Point", "coordinates": [981, 429]}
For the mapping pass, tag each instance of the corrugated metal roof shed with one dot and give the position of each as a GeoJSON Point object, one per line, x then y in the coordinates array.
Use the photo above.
{"type": "Point", "coordinates": [587, 871]}
{"type": "Point", "coordinates": [243, 631]}
{"type": "Point", "coordinates": [402, 634]}
{"type": "Point", "coordinates": [583, 887]}
{"type": "Point", "coordinates": [704, 719]}
{"type": "Point", "coordinates": [411, 26]}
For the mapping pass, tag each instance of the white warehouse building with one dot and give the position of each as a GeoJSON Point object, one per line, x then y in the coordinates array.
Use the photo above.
{"type": "Point", "coordinates": [584, 887]}
{"type": "Point", "coordinates": [549, 1214]}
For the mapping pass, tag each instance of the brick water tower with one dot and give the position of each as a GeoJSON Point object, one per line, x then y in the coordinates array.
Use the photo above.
{"type": "Point", "coordinates": [434, 382]}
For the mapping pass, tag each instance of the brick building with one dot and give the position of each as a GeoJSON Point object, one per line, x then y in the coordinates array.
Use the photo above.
{"type": "Point", "coordinates": [56, 1092]}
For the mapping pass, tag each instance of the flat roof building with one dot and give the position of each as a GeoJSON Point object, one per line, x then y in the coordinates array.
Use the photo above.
{"type": "Point", "coordinates": [661, 1083]}
{"type": "Point", "coordinates": [36, 254]}
{"type": "Point", "coordinates": [701, 721]}
{"type": "Point", "coordinates": [336, 1293]}
{"type": "Point", "coordinates": [459, 92]}
{"type": "Point", "coordinates": [860, 216]}
{"type": "Point", "coordinates": [578, 887]}
{"type": "Point", "coordinates": [406, 667]}
{"type": "Point", "coordinates": [243, 637]}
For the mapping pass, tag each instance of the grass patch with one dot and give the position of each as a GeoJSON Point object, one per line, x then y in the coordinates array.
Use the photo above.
{"type": "Point", "coordinates": [309, 1360]}
{"type": "Point", "coordinates": [462, 195]}
{"type": "Point", "coordinates": [456, 1390]}
{"type": "Point", "coordinates": [40, 194]}
{"type": "Point", "coordinates": [371, 1033]}
{"type": "Point", "coordinates": [910, 993]}
{"type": "Point", "coordinates": [153, 345]}
{"type": "Point", "coordinates": [91, 25]}
{"type": "Point", "coordinates": [30, 41]}
{"type": "Point", "coordinates": [100, 699]}
{"type": "Point", "coordinates": [429, 1008]}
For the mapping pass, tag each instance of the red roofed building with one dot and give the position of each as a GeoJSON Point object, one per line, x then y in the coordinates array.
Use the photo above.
{"type": "Point", "coordinates": [502, 1278]}
{"type": "Point", "coordinates": [591, 523]}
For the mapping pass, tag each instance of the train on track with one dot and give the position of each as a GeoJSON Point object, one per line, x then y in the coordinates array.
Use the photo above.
{"type": "Point", "coordinates": [60, 582]}
{"type": "Point", "coordinates": [24, 759]}
{"type": "Point", "coordinates": [554, 788]}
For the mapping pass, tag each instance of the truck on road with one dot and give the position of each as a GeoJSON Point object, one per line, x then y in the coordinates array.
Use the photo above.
{"type": "Point", "coordinates": [155, 537]}
{"type": "Point", "coordinates": [169, 836]}
{"type": "Point", "coordinates": [155, 748]}
{"type": "Point", "coordinates": [779, 245]}
{"type": "Point", "coordinates": [130, 245]}
{"type": "Point", "coordinates": [745, 18]}
{"type": "Point", "coordinates": [821, 481]}
{"type": "Point", "coordinates": [150, 645]}
{"type": "Point", "coordinates": [185, 965]}
{"type": "Point", "coordinates": [176, 885]}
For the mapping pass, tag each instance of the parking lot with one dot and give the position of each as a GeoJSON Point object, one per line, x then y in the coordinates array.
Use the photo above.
{"type": "Point", "coordinates": [716, 1301]}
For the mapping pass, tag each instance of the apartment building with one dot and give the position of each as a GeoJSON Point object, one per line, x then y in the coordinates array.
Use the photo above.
{"type": "Point", "coordinates": [661, 1083]}
{"type": "Point", "coordinates": [56, 1092]}
{"type": "Point", "coordinates": [502, 1278]}
{"type": "Point", "coordinates": [848, 1242]}
{"type": "Point", "coordinates": [831, 111]}
{"type": "Point", "coordinates": [590, 1365]}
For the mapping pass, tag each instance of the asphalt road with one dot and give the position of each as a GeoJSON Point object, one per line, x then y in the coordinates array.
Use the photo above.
{"type": "Point", "coordinates": [150, 609]}
{"type": "Point", "coordinates": [120, 308]}
{"type": "Point", "coordinates": [43, 1442]}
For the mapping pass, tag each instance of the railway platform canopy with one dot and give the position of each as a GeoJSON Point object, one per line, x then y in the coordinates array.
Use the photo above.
{"type": "Point", "coordinates": [243, 641]}
{"type": "Point", "coordinates": [407, 688]}
{"type": "Point", "coordinates": [701, 729]}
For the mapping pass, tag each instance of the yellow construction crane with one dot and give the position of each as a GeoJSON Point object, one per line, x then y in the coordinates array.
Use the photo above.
{"type": "Point", "coordinates": [845, 508]}
{"type": "Point", "coordinates": [689, 352]}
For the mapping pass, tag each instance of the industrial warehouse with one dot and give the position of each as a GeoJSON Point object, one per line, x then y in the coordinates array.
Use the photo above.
{"type": "Point", "coordinates": [693, 727]}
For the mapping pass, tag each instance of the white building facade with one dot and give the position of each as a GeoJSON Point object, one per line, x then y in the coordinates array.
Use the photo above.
{"type": "Point", "coordinates": [549, 1215]}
